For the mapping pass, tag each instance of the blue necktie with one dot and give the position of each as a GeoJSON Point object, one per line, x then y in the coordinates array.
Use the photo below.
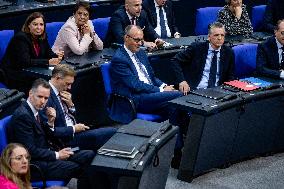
{"type": "Point", "coordinates": [213, 71]}
{"type": "Point", "coordinates": [162, 23]}
{"type": "Point", "coordinates": [142, 69]}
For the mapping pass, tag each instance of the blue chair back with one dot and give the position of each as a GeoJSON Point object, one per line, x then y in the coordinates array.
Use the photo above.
{"type": "Point", "coordinates": [245, 59]}
{"type": "Point", "coordinates": [5, 37]}
{"type": "Point", "coordinates": [257, 17]}
{"type": "Point", "coordinates": [204, 17]}
{"type": "Point", "coordinates": [52, 30]}
{"type": "Point", "coordinates": [101, 26]}
{"type": "Point", "coordinates": [3, 137]}
{"type": "Point", "coordinates": [106, 79]}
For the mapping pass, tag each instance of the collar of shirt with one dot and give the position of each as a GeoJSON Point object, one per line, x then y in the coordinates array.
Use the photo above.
{"type": "Point", "coordinates": [129, 16]}
{"type": "Point", "coordinates": [128, 51]}
{"type": "Point", "coordinates": [35, 112]}
{"type": "Point", "coordinates": [211, 48]}
{"type": "Point", "coordinates": [54, 89]}
{"type": "Point", "coordinates": [279, 45]}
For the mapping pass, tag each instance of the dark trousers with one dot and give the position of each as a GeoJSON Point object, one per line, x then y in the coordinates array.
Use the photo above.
{"type": "Point", "coordinates": [92, 139]}
{"type": "Point", "coordinates": [73, 167]}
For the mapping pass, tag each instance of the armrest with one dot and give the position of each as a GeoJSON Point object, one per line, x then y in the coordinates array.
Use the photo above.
{"type": "Point", "coordinates": [38, 169]}
{"type": "Point", "coordinates": [128, 103]}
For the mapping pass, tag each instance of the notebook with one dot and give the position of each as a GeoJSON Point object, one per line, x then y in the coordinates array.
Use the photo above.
{"type": "Point", "coordinates": [242, 85]}
{"type": "Point", "coordinates": [210, 93]}
{"type": "Point", "coordinates": [257, 82]}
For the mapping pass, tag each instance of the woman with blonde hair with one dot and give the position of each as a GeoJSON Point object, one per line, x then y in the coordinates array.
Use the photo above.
{"type": "Point", "coordinates": [14, 167]}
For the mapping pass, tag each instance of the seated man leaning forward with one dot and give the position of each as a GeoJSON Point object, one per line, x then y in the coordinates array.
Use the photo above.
{"type": "Point", "coordinates": [77, 35]}
{"type": "Point", "coordinates": [132, 76]}
{"type": "Point", "coordinates": [56, 161]}
{"type": "Point", "coordinates": [270, 54]}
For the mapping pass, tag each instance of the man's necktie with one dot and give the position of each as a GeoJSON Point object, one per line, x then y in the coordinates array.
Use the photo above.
{"type": "Point", "coordinates": [142, 69]}
{"type": "Point", "coordinates": [66, 111]}
{"type": "Point", "coordinates": [162, 23]}
{"type": "Point", "coordinates": [282, 59]}
{"type": "Point", "coordinates": [213, 71]}
{"type": "Point", "coordinates": [133, 20]}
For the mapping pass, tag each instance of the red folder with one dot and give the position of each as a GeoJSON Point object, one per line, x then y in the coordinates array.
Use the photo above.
{"type": "Point", "coordinates": [242, 85]}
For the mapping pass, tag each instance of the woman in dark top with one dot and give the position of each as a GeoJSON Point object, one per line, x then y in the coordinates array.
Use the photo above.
{"type": "Point", "coordinates": [235, 18]}
{"type": "Point", "coordinates": [28, 48]}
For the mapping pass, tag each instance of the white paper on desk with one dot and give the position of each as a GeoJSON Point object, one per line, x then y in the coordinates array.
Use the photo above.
{"type": "Point", "coordinates": [51, 67]}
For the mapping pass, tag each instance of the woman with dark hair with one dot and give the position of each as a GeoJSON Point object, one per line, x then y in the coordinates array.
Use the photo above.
{"type": "Point", "coordinates": [14, 167]}
{"type": "Point", "coordinates": [77, 35]}
{"type": "Point", "coordinates": [28, 48]}
{"type": "Point", "coordinates": [235, 18]}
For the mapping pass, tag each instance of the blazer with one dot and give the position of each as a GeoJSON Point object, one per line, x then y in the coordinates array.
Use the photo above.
{"type": "Point", "coordinates": [273, 12]}
{"type": "Point", "coordinates": [125, 82]}
{"type": "Point", "coordinates": [7, 184]}
{"type": "Point", "coordinates": [120, 20]}
{"type": "Point", "coordinates": [150, 9]}
{"type": "Point", "coordinates": [267, 59]}
{"type": "Point", "coordinates": [24, 129]}
{"type": "Point", "coordinates": [70, 39]}
{"type": "Point", "coordinates": [61, 130]}
{"type": "Point", "coordinates": [189, 64]}
{"type": "Point", "coordinates": [20, 54]}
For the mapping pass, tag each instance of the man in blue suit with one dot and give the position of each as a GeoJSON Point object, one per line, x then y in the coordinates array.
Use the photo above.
{"type": "Point", "coordinates": [270, 54]}
{"type": "Point", "coordinates": [65, 126]}
{"type": "Point", "coordinates": [205, 64]}
{"type": "Point", "coordinates": [47, 152]}
{"type": "Point", "coordinates": [132, 76]}
{"type": "Point", "coordinates": [161, 17]}
{"type": "Point", "coordinates": [131, 14]}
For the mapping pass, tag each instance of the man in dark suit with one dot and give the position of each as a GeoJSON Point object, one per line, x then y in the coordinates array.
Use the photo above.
{"type": "Point", "coordinates": [131, 13]}
{"type": "Point", "coordinates": [270, 54]}
{"type": "Point", "coordinates": [65, 125]}
{"type": "Point", "coordinates": [273, 12]}
{"type": "Point", "coordinates": [161, 17]}
{"type": "Point", "coordinates": [132, 76]}
{"type": "Point", "coordinates": [46, 151]}
{"type": "Point", "coordinates": [205, 64]}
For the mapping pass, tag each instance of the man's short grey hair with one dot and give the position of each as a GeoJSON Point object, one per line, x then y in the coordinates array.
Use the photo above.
{"type": "Point", "coordinates": [215, 25]}
{"type": "Point", "coordinates": [129, 27]}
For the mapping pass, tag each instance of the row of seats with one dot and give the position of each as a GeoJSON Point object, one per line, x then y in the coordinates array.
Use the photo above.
{"type": "Point", "coordinates": [207, 15]}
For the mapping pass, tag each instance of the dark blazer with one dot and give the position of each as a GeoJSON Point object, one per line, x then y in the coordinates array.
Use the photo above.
{"type": "Point", "coordinates": [24, 129]}
{"type": "Point", "coordinates": [118, 23]}
{"type": "Point", "coordinates": [189, 64]}
{"type": "Point", "coordinates": [61, 129]}
{"type": "Point", "coordinates": [273, 12]}
{"type": "Point", "coordinates": [267, 59]}
{"type": "Point", "coordinates": [20, 54]}
{"type": "Point", "coordinates": [149, 7]}
{"type": "Point", "coordinates": [125, 80]}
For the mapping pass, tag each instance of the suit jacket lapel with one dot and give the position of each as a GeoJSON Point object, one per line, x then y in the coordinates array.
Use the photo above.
{"type": "Point", "coordinates": [37, 125]}
{"type": "Point", "coordinates": [274, 48]}
{"type": "Point", "coordinates": [59, 110]}
{"type": "Point", "coordinates": [221, 63]}
{"type": "Point", "coordinates": [130, 62]}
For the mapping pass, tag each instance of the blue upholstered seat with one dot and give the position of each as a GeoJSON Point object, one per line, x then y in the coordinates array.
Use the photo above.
{"type": "Point", "coordinates": [106, 78]}
{"type": "Point", "coordinates": [3, 143]}
{"type": "Point", "coordinates": [257, 17]}
{"type": "Point", "coordinates": [5, 37]}
{"type": "Point", "coordinates": [204, 17]}
{"type": "Point", "coordinates": [101, 26]}
{"type": "Point", "coordinates": [52, 30]}
{"type": "Point", "coordinates": [245, 59]}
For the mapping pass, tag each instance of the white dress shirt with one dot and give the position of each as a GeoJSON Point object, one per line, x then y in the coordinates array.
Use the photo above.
{"type": "Point", "coordinates": [279, 46]}
{"type": "Point", "coordinates": [158, 28]}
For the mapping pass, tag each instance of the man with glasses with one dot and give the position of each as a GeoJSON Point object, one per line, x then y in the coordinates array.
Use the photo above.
{"type": "Point", "coordinates": [132, 76]}
{"type": "Point", "coordinates": [205, 64]}
{"type": "Point", "coordinates": [131, 14]}
{"type": "Point", "coordinates": [270, 54]}
{"type": "Point", "coordinates": [55, 160]}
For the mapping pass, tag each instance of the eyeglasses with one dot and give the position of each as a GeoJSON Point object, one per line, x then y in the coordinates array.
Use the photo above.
{"type": "Point", "coordinates": [282, 33]}
{"type": "Point", "coordinates": [137, 40]}
{"type": "Point", "coordinates": [21, 157]}
{"type": "Point", "coordinates": [85, 14]}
